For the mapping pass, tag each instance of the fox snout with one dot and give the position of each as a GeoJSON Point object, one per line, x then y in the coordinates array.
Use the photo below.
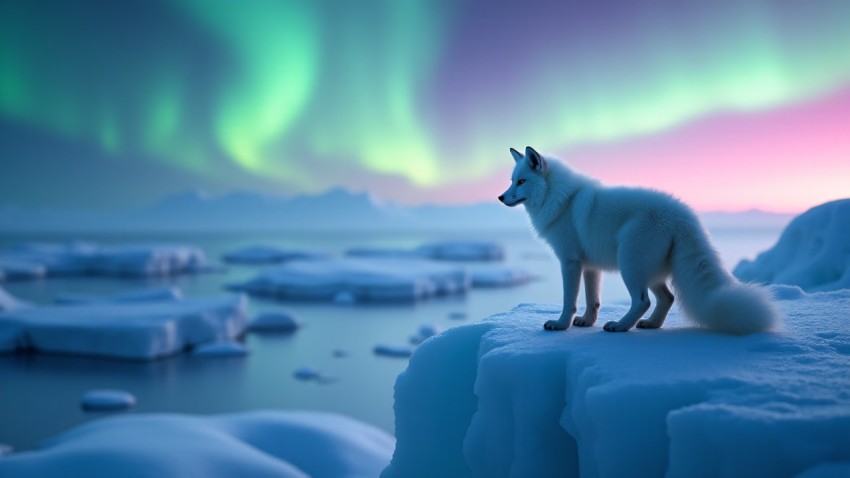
{"type": "Point", "coordinates": [502, 198]}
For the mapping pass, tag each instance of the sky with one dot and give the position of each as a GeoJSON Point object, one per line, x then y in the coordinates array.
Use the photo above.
{"type": "Point", "coordinates": [727, 104]}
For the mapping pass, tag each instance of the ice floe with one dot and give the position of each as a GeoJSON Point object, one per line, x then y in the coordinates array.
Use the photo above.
{"type": "Point", "coordinates": [503, 397]}
{"type": "Point", "coordinates": [255, 444]}
{"type": "Point", "coordinates": [357, 280]}
{"type": "Point", "coordinates": [106, 400]}
{"type": "Point", "coordinates": [443, 251]}
{"type": "Point", "coordinates": [812, 253]}
{"type": "Point", "coordinates": [35, 260]}
{"type": "Point", "coordinates": [268, 255]}
{"type": "Point", "coordinates": [156, 294]}
{"type": "Point", "coordinates": [498, 276]}
{"type": "Point", "coordinates": [393, 350]}
{"type": "Point", "coordinates": [220, 349]}
{"type": "Point", "coordinates": [9, 303]}
{"type": "Point", "coordinates": [134, 331]}
{"type": "Point", "coordinates": [276, 321]}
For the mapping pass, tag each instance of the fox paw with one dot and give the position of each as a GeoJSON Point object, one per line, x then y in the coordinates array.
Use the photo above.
{"type": "Point", "coordinates": [614, 326]}
{"type": "Point", "coordinates": [556, 325]}
{"type": "Point", "coordinates": [646, 324]}
{"type": "Point", "coordinates": [584, 322]}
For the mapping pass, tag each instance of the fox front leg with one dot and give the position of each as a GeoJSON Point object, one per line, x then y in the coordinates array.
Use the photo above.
{"type": "Point", "coordinates": [570, 277]}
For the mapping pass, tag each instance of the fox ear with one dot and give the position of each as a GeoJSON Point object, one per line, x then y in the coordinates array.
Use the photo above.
{"type": "Point", "coordinates": [537, 162]}
{"type": "Point", "coordinates": [516, 154]}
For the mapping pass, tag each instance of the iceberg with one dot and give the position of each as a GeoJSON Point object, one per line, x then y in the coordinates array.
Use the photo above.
{"type": "Point", "coordinates": [34, 260]}
{"type": "Point", "coordinates": [258, 444]}
{"type": "Point", "coordinates": [267, 255]}
{"type": "Point", "coordinates": [504, 398]}
{"type": "Point", "coordinates": [813, 252]}
{"type": "Point", "coordinates": [130, 331]}
{"type": "Point", "coordinates": [358, 280]}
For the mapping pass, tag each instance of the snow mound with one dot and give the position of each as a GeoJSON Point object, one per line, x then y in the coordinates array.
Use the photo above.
{"type": "Point", "coordinates": [267, 255]}
{"type": "Point", "coordinates": [220, 349]}
{"type": "Point", "coordinates": [9, 303]}
{"type": "Point", "coordinates": [133, 331]}
{"type": "Point", "coordinates": [504, 398]}
{"type": "Point", "coordinates": [107, 400]}
{"type": "Point", "coordinates": [357, 280]}
{"type": "Point", "coordinates": [256, 444]}
{"type": "Point", "coordinates": [278, 321]}
{"type": "Point", "coordinates": [498, 276]}
{"type": "Point", "coordinates": [156, 294]}
{"type": "Point", "coordinates": [138, 260]}
{"type": "Point", "coordinates": [813, 252]}
{"type": "Point", "coordinates": [441, 251]}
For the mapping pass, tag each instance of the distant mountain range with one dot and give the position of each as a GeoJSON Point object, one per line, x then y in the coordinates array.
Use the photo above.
{"type": "Point", "coordinates": [336, 209]}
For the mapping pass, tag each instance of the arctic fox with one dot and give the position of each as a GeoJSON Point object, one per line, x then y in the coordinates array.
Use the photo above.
{"type": "Point", "coordinates": [647, 235]}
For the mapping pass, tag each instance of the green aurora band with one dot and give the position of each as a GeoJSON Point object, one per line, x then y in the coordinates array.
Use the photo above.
{"type": "Point", "coordinates": [353, 82]}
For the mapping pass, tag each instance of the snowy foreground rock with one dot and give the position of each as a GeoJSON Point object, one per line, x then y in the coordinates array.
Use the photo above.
{"type": "Point", "coordinates": [36, 260]}
{"type": "Point", "coordinates": [504, 398]}
{"type": "Point", "coordinates": [256, 444]}
{"type": "Point", "coordinates": [812, 253]}
{"type": "Point", "coordinates": [134, 331]}
{"type": "Point", "coordinates": [355, 280]}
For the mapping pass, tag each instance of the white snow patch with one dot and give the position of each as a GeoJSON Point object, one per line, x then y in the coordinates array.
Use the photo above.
{"type": "Point", "coordinates": [33, 260]}
{"type": "Point", "coordinates": [504, 398]}
{"type": "Point", "coordinates": [346, 280]}
{"type": "Point", "coordinates": [262, 254]}
{"type": "Point", "coordinates": [134, 331]}
{"type": "Point", "coordinates": [220, 349]}
{"type": "Point", "coordinates": [256, 444]}
{"type": "Point", "coordinates": [812, 253]}
{"type": "Point", "coordinates": [107, 400]}
{"type": "Point", "coordinates": [277, 321]}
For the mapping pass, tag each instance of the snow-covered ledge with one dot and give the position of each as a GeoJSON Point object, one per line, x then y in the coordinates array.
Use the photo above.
{"type": "Point", "coordinates": [504, 398]}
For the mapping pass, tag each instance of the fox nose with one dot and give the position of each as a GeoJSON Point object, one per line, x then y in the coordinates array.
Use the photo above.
{"type": "Point", "coordinates": [502, 198]}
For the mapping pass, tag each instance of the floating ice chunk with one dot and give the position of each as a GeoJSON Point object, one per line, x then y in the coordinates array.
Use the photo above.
{"type": "Point", "coordinates": [393, 351]}
{"type": "Point", "coordinates": [426, 331]}
{"type": "Point", "coordinates": [498, 276]}
{"type": "Point", "coordinates": [457, 315]}
{"type": "Point", "coordinates": [138, 260]}
{"type": "Point", "coordinates": [385, 253]}
{"type": "Point", "coordinates": [5, 450]}
{"type": "Point", "coordinates": [277, 321]}
{"type": "Point", "coordinates": [812, 253]}
{"type": "Point", "coordinates": [339, 353]}
{"type": "Point", "coordinates": [9, 302]}
{"type": "Point", "coordinates": [463, 251]}
{"type": "Point", "coordinates": [107, 400]}
{"type": "Point", "coordinates": [134, 331]}
{"type": "Point", "coordinates": [256, 444]}
{"type": "Point", "coordinates": [307, 373]}
{"type": "Point", "coordinates": [156, 294]}
{"type": "Point", "coordinates": [220, 349]}
{"type": "Point", "coordinates": [345, 280]}
{"type": "Point", "coordinates": [268, 255]}
{"type": "Point", "coordinates": [503, 397]}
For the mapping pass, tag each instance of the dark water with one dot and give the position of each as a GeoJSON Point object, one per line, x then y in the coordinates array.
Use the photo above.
{"type": "Point", "coordinates": [39, 395]}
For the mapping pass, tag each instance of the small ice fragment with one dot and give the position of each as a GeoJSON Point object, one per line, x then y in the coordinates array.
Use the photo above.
{"type": "Point", "coordinates": [307, 373]}
{"type": "Point", "coordinates": [344, 298]}
{"type": "Point", "coordinates": [5, 450]}
{"type": "Point", "coordinates": [457, 315]}
{"type": "Point", "coordinates": [340, 353]}
{"type": "Point", "coordinates": [107, 400]}
{"type": "Point", "coordinates": [278, 321]}
{"type": "Point", "coordinates": [221, 349]}
{"type": "Point", "coordinates": [393, 351]}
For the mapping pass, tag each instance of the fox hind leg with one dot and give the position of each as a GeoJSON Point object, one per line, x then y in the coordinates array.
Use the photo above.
{"type": "Point", "coordinates": [592, 281]}
{"type": "Point", "coordinates": [665, 302]}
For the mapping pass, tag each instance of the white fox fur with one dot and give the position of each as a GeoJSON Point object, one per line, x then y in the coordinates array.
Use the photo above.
{"type": "Point", "coordinates": [647, 235]}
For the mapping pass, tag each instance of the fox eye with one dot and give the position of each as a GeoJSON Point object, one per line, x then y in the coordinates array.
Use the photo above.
{"type": "Point", "coordinates": [520, 182]}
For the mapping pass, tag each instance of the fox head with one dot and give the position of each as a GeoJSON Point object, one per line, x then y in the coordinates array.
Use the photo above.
{"type": "Point", "coordinates": [528, 181]}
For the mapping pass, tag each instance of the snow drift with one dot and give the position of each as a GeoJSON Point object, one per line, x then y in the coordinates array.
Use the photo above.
{"type": "Point", "coordinates": [504, 398]}
{"type": "Point", "coordinates": [812, 253]}
{"type": "Point", "coordinates": [256, 444]}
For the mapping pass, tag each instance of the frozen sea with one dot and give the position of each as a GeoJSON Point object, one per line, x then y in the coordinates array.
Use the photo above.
{"type": "Point", "coordinates": [40, 395]}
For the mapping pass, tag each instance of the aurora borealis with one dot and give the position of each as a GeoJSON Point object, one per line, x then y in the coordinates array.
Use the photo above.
{"type": "Point", "coordinates": [419, 101]}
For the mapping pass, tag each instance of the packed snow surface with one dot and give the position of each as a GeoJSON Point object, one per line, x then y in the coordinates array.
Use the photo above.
{"type": "Point", "coordinates": [107, 400]}
{"type": "Point", "coordinates": [812, 253]}
{"type": "Point", "coordinates": [34, 260]}
{"type": "Point", "coordinates": [504, 398]}
{"type": "Point", "coordinates": [134, 331]}
{"type": "Point", "coordinates": [444, 251]}
{"type": "Point", "coordinates": [256, 444]}
{"type": "Point", "coordinates": [357, 280]}
{"type": "Point", "coordinates": [268, 255]}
